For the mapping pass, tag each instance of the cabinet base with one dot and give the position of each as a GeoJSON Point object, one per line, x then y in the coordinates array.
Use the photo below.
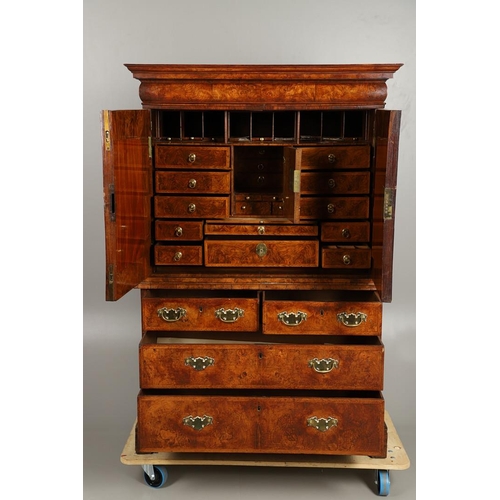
{"type": "Point", "coordinates": [396, 458]}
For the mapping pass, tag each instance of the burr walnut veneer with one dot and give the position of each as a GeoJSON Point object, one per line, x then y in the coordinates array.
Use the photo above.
{"type": "Point", "coordinates": [254, 207]}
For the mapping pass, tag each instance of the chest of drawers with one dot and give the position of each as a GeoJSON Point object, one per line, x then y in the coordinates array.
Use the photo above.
{"type": "Point", "coordinates": [254, 207]}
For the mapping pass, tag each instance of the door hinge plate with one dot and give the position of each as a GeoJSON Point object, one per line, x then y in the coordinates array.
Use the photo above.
{"type": "Point", "coordinates": [150, 147]}
{"type": "Point", "coordinates": [296, 181]}
{"type": "Point", "coordinates": [107, 138]}
{"type": "Point", "coordinates": [389, 197]}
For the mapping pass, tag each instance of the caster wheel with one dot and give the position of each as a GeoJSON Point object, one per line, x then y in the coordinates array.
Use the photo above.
{"type": "Point", "coordinates": [383, 483]}
{"type": "Point", "coordinates": [160, 477]}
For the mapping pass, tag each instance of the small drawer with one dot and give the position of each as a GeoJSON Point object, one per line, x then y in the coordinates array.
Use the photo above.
{"type": "Point", "coordinates": [345, 232]}
{"type": "Point", "coordinates": [346, 257]}
{"type": "Point", "coordinates": [321, 313]}
{"type": "Point", "coordinates": [191, 156]}
{"type": "Point", "coordinates": [335, 183]}
{"type": "Point", "coordinates": [336, 157]}
{"type": "Point", "coordinates": [196, 207]}
{"type": "Point", "coordinates": [178, 230]}
{"type": "Point", "coordinates": [257, 253]}
{"type": "Point", "coordinates": [253, 208]}
{"type": "Point", "coordinates": [264, 229]}
{"type": "Point", "coordinates": [169, 363]}
{"type": "Point", "coordinates": [332, 423]}
{"type": "Point", "coordinates": [181, 313]}
{"type": "Point", "coordinates": [193, 182]}
{"type": "Point", "coordinates": [177, 255]}
{"type": "Point", "coordinates": [356, 207]}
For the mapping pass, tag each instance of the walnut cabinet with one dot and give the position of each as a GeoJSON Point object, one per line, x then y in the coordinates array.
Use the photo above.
{"type": "Point", "coordinates": [254, 208]}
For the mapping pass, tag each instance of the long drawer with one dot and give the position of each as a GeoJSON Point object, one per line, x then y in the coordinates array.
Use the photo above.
{"type": "Point", "coordinates": [261, 253]}
{"type": "Point", "coordinates": [335, 424]}
{"type": "Point", "coordinates": [200, 314]}
{"type": "Point", "coordinates": [321, 313]}
{"type": "Point", "coordinates": [165, 363]}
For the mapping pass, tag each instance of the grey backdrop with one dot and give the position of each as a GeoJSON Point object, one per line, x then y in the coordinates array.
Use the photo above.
{"type": "Point", "coordinates": [237, 32]}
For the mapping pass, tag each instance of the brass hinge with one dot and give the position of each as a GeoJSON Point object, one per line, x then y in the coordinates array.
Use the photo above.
{"type": "Point", "coordinates": [150, 147]}
{"type": "Point", "coordinates": [110, 275]}
{"type": "Point", "coordinates": [389, 196]}
{"type": "Point", "coordinates": [107, 138]}
{"type": "Point", "coordinates": [296, 181]}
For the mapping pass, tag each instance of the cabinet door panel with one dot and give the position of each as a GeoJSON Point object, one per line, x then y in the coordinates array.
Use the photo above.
{"type": "Point", "coordinates": [386, 144]}
{"type": "Point", "coordinates": [127, 199]}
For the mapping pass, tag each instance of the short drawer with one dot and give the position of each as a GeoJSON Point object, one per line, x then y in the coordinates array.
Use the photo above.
{"type": "Point", "coordinates": [264, 229]}
{"type": "Point", "coordinates": [345, 232]}
{"type": "Point", "coordinates": [332, 424]}
{"type": "Point", "coordinates": [356, 207]}
{"type": "Point", "coordinates": [193, 182]}
{"type": "Point", "coordinates": [337, 157]}
{"type": "Point", "coordinates": [167, 364]}
{"type": "Point", "coordinates": [346, 257]}
{"type": "Point", "coordinates": [178, 255]}
{"type": "Point", "coordinates": [335, 183]}
{"type": "Point", "coordinates": [178, 230]}
{"type": "Point", "coordinates": [192, 156]}
{"type": "Point", "coordinates": [321, 313]}
{"type": "Point", "coordinates": [200, 314]}
{"type": "Point", "coordinates": [197, 207]}
{"type": "Point", "coordinates": [261, 253]}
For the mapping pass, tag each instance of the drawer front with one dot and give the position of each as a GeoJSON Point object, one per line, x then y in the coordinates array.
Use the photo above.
{"type": "Point", "coordinates": [195, 157]}
{"type": "Point", "coordinates": [178, 255]}
{"type": "Point", "coordinates": [198, 207]}
{"type": "Point", "coordinates": [178, 230]}
{"type": "Point", "coordinates": [335, 183]}
{"type": "Point", "coordinates": [345, 232]}
{"type": "Point", "coordinates": [357, 207]}
{"type": "Point", "coordinates": [300, 230]}
{"type": "Point", "coordinates": [304, 425]}
{"type": "Point", "coordinates": [339, 367]}
{"type": "Point", "coordinates": [255, 253]}
{"type": "Point", "coordinates": [193, 182]}
{"type": "Point", "coordinates": [346, 257]}
{"type": "Point", "coordinates": [337, 157]}
{"type": "Point", "coordinates": [200, 314]}
{"type": "Point", "coordinates": [310, 317]}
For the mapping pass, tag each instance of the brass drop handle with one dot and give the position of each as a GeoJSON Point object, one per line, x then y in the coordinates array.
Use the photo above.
{"type": "Point", "coordinates": [178, 231]}
{"type": "Point", "coordinates": [292, 319]}
{"type": "Point", "coordinates": [346, 233]}
{"type": "Point", "coordinates": [229, 315]}
{"type": "Point", "coordinates": [331, 158]}
{"type": "Point", "coordinates": [261, 229]}
{"type": "Point", "coordinates": [322, 424]}
{"type": "Point", "coordinates": [199, 363]}
{"type": "Point", "coordinates": [346, 259]}
{"type": "Point", "coordinates": [191, 158]}
{"type": "Point", "coordinates": [191, 208]}
{"type": "Point", "coordinates": [331, 183]}
{"type": "Point", "coordinates": [351, 319]}
{"type": "Point", "coordinates": [198, 423]}
{"type": "Point", "coordinates": [170, 314]}
{"type": "Point", "coordinates": [177, 256]}
{"type": "Point", "coordinates": [331, 208]}
{"type": "Point", "coordinates": [323, 365]}
{"type": "Point", "coordinates": [261, 249]}
{"type": "Point", "coordinates": [192, 183]}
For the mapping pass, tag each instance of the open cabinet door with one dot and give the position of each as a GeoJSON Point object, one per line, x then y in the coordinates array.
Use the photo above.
{"type": "Point", "coordinates": [127, 168]}
{"type": "Point", "coordinates": [385, 148]}
{"type": "Point", "coordinates": [291, 164]}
